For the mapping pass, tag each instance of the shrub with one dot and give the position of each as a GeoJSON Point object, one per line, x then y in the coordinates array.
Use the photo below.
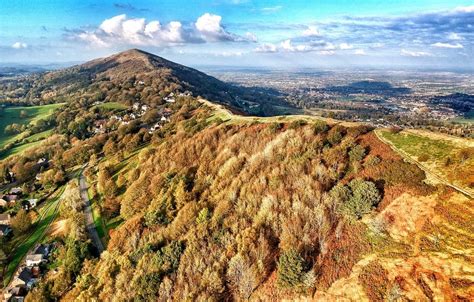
{"type": "Point", "coordinates": [423, 157]}
{"type": "Point", "coordinates": [335, 135]}
{"type": "Point", "coordinates": [290, 269]}
{"type": "Point", "coordinates": [203, 216]}
{"type": "Point", "coordinates": [275, 127]}
{"type": "Point", "coordinates": [320, 127]}
{"type": "Point", "coordinates": [296, 124]}
{"type": "Point", "coordinates": [357, 153]}
{"type": "Point", "coordinates": [365, 196]}
{"type": "Point", "coordinates": [372, 160]}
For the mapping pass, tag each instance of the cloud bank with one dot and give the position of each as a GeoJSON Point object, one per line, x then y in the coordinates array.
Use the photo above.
{"type": "Point", "coordinates": [121, 30]}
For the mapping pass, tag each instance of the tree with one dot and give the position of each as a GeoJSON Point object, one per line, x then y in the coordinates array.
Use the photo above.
{"type": "Point", "coordinates": [356, 153]}
{"type": "Point", "coordinates": [241, 276]}
{"type": "Point", "coordinates": [290, 269]}
{"type": "Point", "coordinates": [365, 196]}
{"type": "Point", "coordinates": [21, 222]}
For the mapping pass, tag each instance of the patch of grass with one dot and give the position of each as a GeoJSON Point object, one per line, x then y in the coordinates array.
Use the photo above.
{"type": "Point", "coordinates": [11, 115]}
{"type": "Point", "coordinates": [114, 222]}
{"type": "Point", "coordinates": [417, 146]}
{"type": "Point", "coordinates": [442, 157]}
{"type": "Point", "coordinates": [98, 220]}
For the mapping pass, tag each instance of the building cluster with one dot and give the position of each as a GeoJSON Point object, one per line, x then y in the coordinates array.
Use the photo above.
{"type": "Point", "coordinates": [28, 273]}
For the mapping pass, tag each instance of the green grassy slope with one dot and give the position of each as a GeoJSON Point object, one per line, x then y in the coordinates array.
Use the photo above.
{"type": "Point", "coordinates": [11, 115]}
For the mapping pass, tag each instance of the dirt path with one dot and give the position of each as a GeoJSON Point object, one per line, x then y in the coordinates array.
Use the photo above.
{"type": "Point", "coordinates": [88, 213]}
{"type": "Point", "coordinates": [430, 174]}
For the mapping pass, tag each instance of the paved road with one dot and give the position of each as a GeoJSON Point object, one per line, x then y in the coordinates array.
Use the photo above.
{"type": "Point", "coordinates": [88, 213]}
{"type": "Point", "coordinates": [422, 167]}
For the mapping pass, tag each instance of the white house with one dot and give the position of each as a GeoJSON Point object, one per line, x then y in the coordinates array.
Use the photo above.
{"type": "Point", "coordinates": [3, 202]}
{"type": "Point", "coordinates": [33, 202]}
{"type": "Point", "coordinates": [34, 259]}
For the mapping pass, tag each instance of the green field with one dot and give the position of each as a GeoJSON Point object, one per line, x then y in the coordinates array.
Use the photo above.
{"type": "Point", "coordinates": [11, 115]}
{"type": "Point", "coordinates": [27, 143]}
{"type": "Point", "coordinates": [444, 156]}
{"type": "Point", "coordinates": [416, 145]}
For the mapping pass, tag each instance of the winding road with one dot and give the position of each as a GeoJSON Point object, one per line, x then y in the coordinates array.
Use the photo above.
{"type": "Point", "coordinates": [88, 213]}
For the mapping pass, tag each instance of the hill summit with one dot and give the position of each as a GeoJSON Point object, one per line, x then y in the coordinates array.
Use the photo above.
{"type": "Point", "coordinates": [136, 75]}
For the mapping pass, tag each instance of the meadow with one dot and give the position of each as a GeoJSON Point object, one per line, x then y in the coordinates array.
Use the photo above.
{"type": "Point", "coordinates": [23, 116]}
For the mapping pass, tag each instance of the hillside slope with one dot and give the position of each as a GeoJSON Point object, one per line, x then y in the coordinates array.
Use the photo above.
{"type": "Point", "coordinates": [270, 211]}
{"type": "Point", "coordinates": [130, 76]}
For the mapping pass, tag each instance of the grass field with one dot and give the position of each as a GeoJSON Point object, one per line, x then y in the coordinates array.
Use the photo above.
{"type": "Point", "coordinates": [11, 115]}
{"type": "Point", "coordinates": [98, 220]}
{"type": "Point", "coordinates": [47, 214]}
{"type": "Point", "coordinates": [438, 153]}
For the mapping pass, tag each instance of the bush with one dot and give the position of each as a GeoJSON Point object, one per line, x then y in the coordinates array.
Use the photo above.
{"type": "Point", "coordinates": [275, 127]}
{"type": "Point", "coordinates": [320, 127]}
{"type": "Point", "coordinates": [423, 157]}
{"type": "Point", "coordinates": [296, 124]}
{"type": "Point", "coordinates": [365, 196]}
{"type": "Point", "coordinates": [357, 199]}
{"type": "Point", "coordinates": [357, 153]}
{"type": "Point", "coordinates": [372, 160]}
{"type": "Point", "coordinates": [290, 269]}
{"type": "Point", "coordinates": [335, 135]}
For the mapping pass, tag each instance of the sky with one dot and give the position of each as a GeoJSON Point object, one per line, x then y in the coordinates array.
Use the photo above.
{"type": "Point", "coordinates": [244, 33]}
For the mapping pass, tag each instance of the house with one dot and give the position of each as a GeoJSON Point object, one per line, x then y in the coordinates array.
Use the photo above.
{"type": "Point", "coordinates": [5, 219]}
{"type": "Point", "coordinates": [42, 249]}
{"type": "Point", "coordinates": [11, 198]}
{"type": "Point", "coordinates": [15, 294]}
{"type": "Point", "coordinates": [33, 202]}
{"type": "Point", "coordinates": [42, 161]}
{"type": "Point", "coordinates": [16, 191]}
{"type": "Point", "coordinates": [5, 230]}
{"type": "Point", "coordinates": [22, 278]}
{"type": "Point", "coordinates": [3, 203]}
{"type": "Point", "coordinates": [34, 259]}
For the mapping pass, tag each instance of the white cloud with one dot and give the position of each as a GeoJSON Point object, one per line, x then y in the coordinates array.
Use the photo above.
{"type": "Point", "coordinates": [410, 53]}
{"type": "Point", "coordinates": [454, 36]}
{"type": "Point", "coordinates": [210, 27]}
{"type": "Point", "coordinates": [251, 37]}
{"type": "Point", "coordinates": [137, 31]}
{"type": "Point", "coordinates": [311, 31]}
{"type": "Point", "coordinates": [360, 52]}
{"type": "Point", "coordinates": [287, 45]}
{"type": "Point", "coordinates": [345, 46]}
{"type": "Point", "coordinates": [266, 47]}
{"type": "Point", "coordinates": [447, 45]}
{"type": "Point", "coordinates": [19, 45]}
{"type": "Point", "coordinates": [271, 9]}
{"type": "Point", "coordinates": [326, 52]}
{"type": "Point", "coordinates": [465, 9]}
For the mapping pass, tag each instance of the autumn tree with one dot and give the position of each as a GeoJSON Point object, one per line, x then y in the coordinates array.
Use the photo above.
{"type": "Point", "coordinates": [21, 222]}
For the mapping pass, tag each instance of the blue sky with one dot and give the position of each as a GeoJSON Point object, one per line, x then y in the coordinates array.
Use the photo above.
{"type": "Point", "coordinates": [337, 33]}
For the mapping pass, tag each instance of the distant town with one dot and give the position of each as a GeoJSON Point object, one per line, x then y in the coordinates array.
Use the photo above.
{"type": "Point", "coordinates": [443, 100]}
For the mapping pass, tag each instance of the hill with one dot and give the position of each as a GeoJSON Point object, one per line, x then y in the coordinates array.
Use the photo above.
{"type": "Point", "coordinates": [132, 76]}
{"type": "Point", "coordinates": [194, 202]}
